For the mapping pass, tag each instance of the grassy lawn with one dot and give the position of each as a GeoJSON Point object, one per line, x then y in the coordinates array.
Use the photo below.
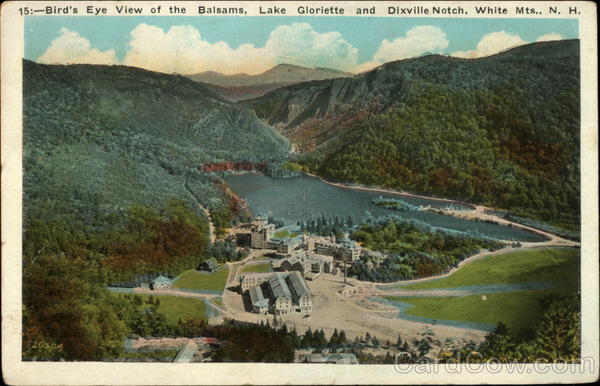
{"type": "Point", "coordinates": [257, 268]}
{"type": "Point", "coordinates": [175, 307]}
{"type": "Point", "coordinates": [536, 265]}
{"type": "Point", "coordinates": [201, 281]}
{"type": "Point", "coordinates": [519, 310]}
{"type": "Point", "coordinates": [281, 234]}
{"type": "Point", "coordinates": [217, 301]}
{"type": "Point", "coordinates": [286, 233]}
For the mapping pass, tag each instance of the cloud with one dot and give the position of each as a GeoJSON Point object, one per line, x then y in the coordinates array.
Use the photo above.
{"type": "Point", "coordinates": [492, 43]}
{"type": "Point", "coordinates": [182, 49]}
{"type": "Point", "coordinates": [70, 47]}
{"type": "Point", "coordinates": [464, 54]}
{"type": "Point", "coordinates": [549, 37]}
{"type": "Point", "coordinates": [495, 42]}
{"type": "Point", "coordinates": [366, 66]}
{"type": "Point", "coordinates": [300, 44]}
{"type": "Point", "coordinates": [498, 41]}
{"type": "Point", "coordinates": [418, 41]}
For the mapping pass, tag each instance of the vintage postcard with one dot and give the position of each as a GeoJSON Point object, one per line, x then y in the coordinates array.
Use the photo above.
{"type": "Point", "coordinates": [311, 192]}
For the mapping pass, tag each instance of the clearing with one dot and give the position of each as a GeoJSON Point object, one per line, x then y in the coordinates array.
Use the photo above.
{"type": "Point", "coordinates": [214, 281]}
{"type": "Point", "coordinates": [263, 267]}
{"type": "Point", "coordinates": [519, 310]}
{"type": "Point", "coordinates": [176, 307]}
{"type": "Point", "coordinates": [534, 265]}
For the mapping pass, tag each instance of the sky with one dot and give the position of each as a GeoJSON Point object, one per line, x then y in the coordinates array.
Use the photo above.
{"type": "Point", "coordinates": [189, 45]}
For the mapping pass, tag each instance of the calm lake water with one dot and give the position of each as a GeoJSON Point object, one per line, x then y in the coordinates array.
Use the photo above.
{"type": "Point", "coordinates": [292, 199]}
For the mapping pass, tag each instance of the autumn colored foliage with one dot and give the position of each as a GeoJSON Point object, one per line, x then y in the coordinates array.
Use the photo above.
{"type": "Point", "coordinates": [233, 166]}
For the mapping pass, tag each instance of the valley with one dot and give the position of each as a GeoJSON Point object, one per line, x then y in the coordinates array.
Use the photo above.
{"type": "Point", "coordinates": [442, 195]}
{"type": "Point", "coordinates": [462, 129]}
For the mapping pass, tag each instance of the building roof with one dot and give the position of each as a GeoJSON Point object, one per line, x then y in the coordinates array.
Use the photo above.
{"type": "Point", "coordinates": [210, 340]}
{"type": "Point", "coordinates": [257, 297]}
{"type": "Point", "coordinates": [344, 358]}
{"type": "Point", "coordinates": [296, 259]}
{"type": "Point", "coordinates": [319, 257]}
{"type": "Point", "coordinates": [253, 275]}
{"type": "Point", "coordinates": [278, 286]}
{"type": "Point", "coordinates": [162, 279]}
{"type": "Point", "coordinates": [297, 285]}
{"type": "Point", "coordinates": [186, 354]}
{"type": "Point", "coordinates": [209, 264]}
{"type": "Point", "coordinates": [349, 244]}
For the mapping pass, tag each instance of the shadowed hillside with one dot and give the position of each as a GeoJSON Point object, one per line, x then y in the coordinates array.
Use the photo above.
{"type": "Point", "coordinates": [98, 138]}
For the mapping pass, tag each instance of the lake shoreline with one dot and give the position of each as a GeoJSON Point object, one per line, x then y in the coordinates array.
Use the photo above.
{"type": "Point", "coordinates": [391, 192]}
{"type": "Point", "coordinates": [439, 213]}
{"type": "Point", "coordinates": [477, 210]}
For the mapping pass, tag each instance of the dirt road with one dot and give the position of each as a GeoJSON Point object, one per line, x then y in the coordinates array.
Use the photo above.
{"type": "Point", "coordinates": [211, 227]}
{"type": "Point", "coordinates": [331, 311]}
{"type": "Point", "coordinates": [173, 292]}
{"type": "Point", "coordinates": [355, 314]}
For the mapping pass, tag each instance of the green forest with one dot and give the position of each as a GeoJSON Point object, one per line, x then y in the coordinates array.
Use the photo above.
{"type": "Point", "coordinates": [112, 193]}
{"type": "Point", "coordinates": [68, 313]}
{"type": "Point", "coordinates": [412, 252]}
{"type": "Point", "coordinates": [472, 146]}
{"type": "Point", "coordinates": [100, 138]}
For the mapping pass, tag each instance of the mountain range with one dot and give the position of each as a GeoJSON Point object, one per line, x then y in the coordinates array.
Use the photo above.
{"type": "Point", "coordinates": [243, 86]}
{"type": "Point", "coordinates": [112, 181]}
{"type": "Point", "coordinates": [501, 130]}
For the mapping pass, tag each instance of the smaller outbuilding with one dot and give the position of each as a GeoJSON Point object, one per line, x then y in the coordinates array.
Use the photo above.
{"type": "Point", "coordinates": [161, 282]}
{"type": "Point", "coordinates": [209, 265]}
{"type": "Point", "coordinates": [186, 353]}
{"type": "Point", "coordinates": [338, 359]}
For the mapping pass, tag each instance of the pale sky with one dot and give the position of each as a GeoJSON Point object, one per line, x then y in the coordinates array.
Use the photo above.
{"type": "Point", "coordinates": [189, 45]}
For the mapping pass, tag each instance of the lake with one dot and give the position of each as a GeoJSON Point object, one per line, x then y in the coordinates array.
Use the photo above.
{"type": "Point", "coordinates": [305, 197]}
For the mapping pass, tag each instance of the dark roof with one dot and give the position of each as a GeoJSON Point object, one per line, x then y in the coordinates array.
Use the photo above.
{"type": "Point", "coordinates": [161, 279]}
{"type": "Point", "coordinates": [279, 287]}
{"type": "Point", "coordinates": [298, 285]}
{"type": "Point", "coordinates": [257, 297]}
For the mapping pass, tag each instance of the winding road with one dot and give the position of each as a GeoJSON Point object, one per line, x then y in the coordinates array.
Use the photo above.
{"type": "Point", "coordinates": [211, 227]}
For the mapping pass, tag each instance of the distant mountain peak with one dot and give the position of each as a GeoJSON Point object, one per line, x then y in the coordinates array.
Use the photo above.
{"type": "Point", "coordinates": [287, 65]}
{"type": "Point", "coordinates": [291, 67]}
{"type": "Point", "coordinates": [244, 86]}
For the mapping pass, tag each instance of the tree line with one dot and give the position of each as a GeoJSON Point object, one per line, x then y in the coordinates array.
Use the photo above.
{"type": "Point", "coordinates": [411, 252]}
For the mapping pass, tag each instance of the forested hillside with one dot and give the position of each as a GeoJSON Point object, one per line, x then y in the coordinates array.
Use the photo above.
{"type": "Point", "coordinates": [501, 130]}
{"type": "Point", "coordinates": [98, 138]}
{"type": "Point", "coordinates": [111, 191]}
